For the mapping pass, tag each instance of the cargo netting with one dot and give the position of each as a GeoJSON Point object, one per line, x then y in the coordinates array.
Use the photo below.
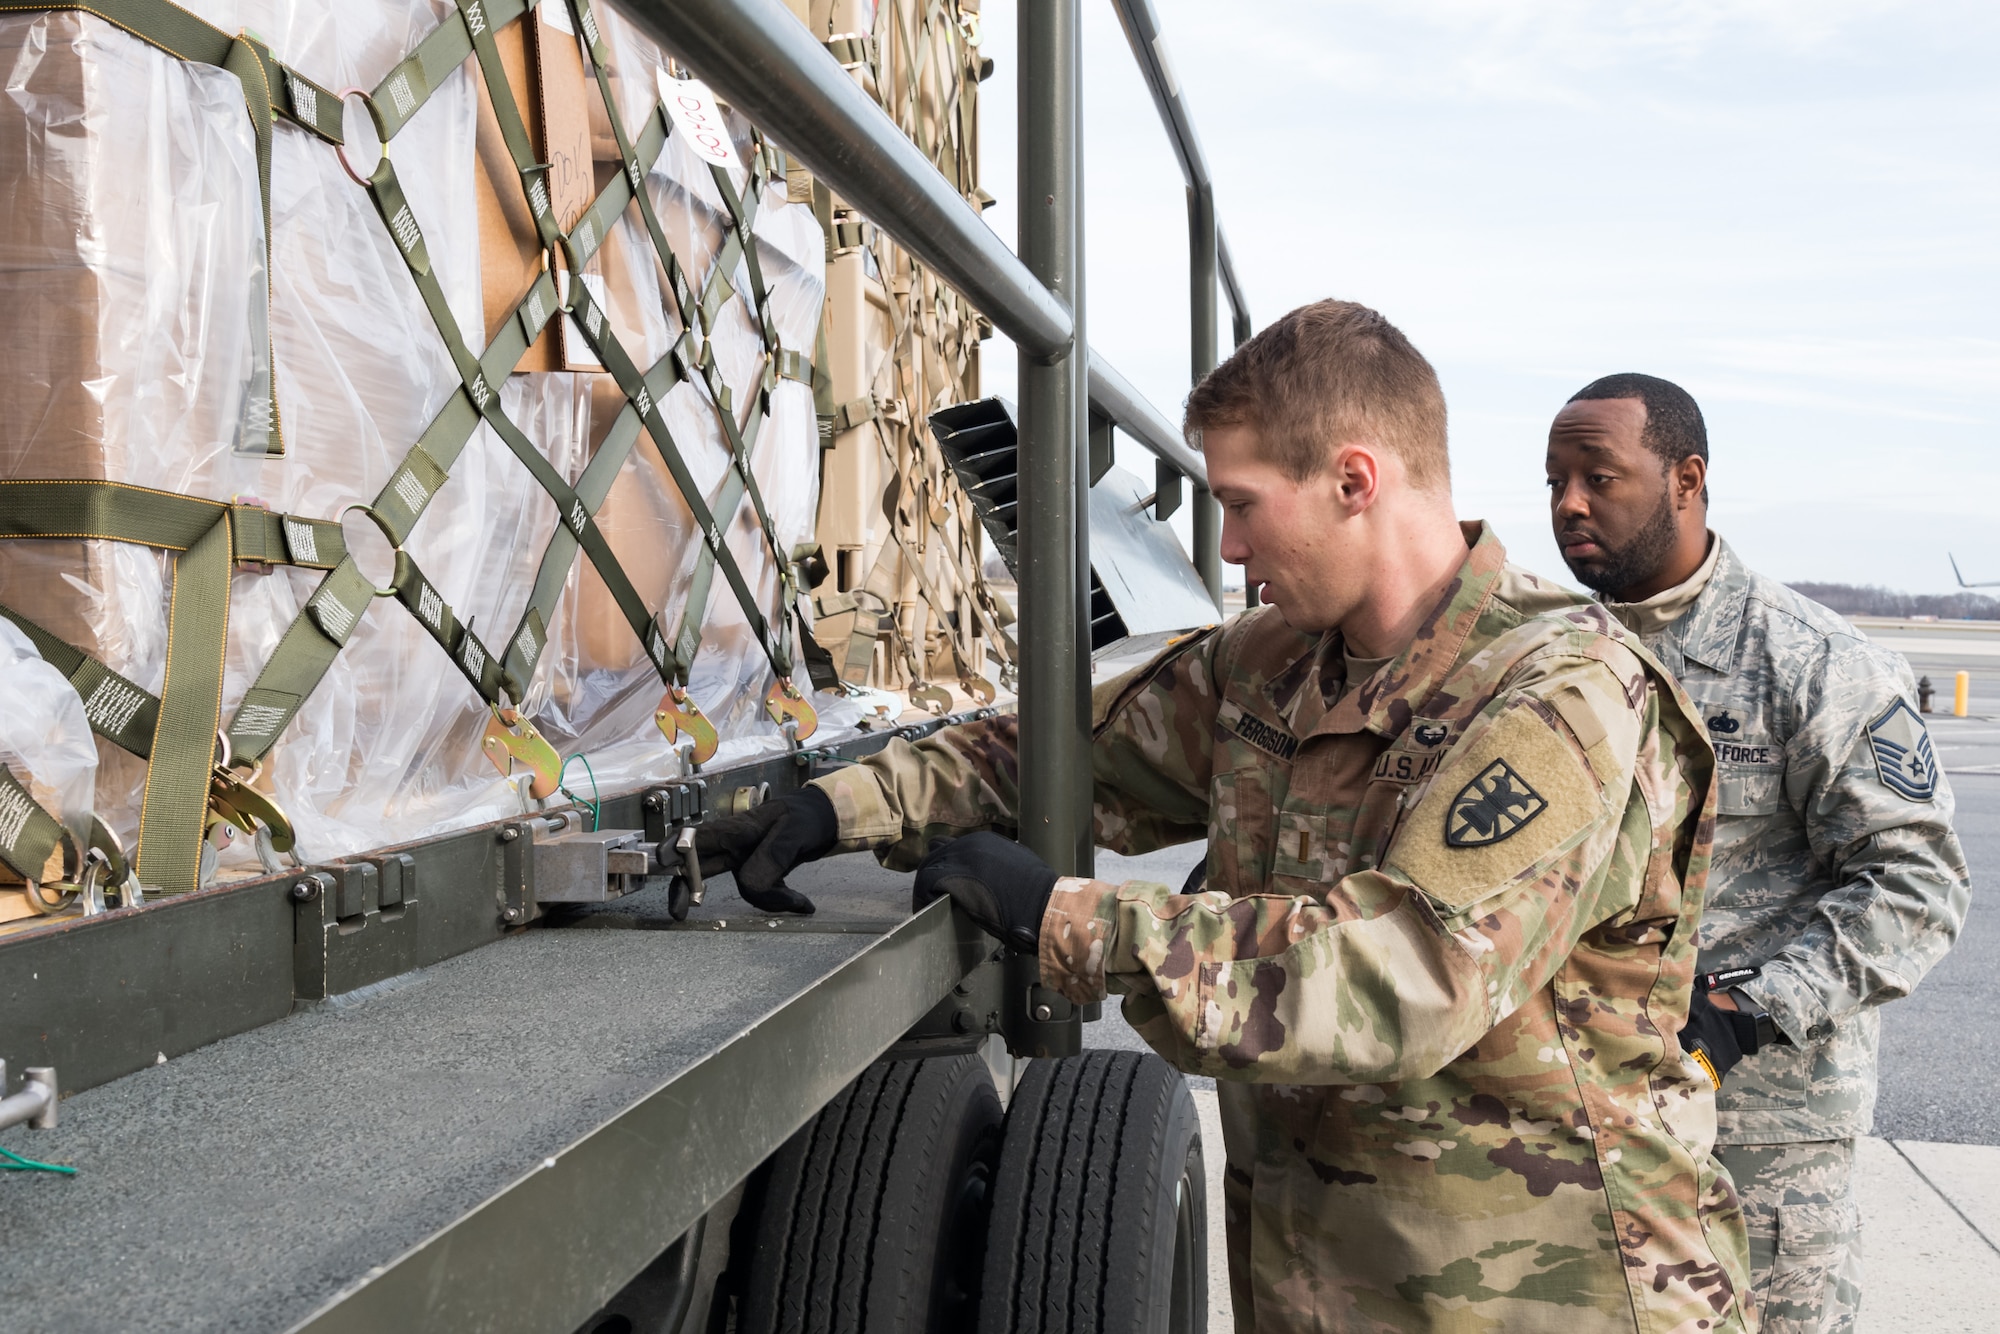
{"type": "Point", "coordinates": [488, 310]}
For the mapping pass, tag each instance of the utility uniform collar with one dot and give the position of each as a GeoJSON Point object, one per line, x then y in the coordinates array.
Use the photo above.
{"type": "Point", "coordinates": [1386, 701]}
{"type": "Point", "coordinates": [1708, 632]}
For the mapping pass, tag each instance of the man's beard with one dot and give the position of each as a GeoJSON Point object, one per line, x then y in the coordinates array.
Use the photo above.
{"type": "Point", "coordinates": [1637, 562]}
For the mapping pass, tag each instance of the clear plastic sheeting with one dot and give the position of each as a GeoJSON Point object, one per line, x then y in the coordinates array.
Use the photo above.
{"type": "Point", "coordinates": [44, 737]}
{"type": "Point", "coordinates": [137, 315]}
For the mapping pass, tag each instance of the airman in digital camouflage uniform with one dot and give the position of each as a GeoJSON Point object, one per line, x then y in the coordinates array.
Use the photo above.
{"type": "Point", "coordinates": [1458, 835]}
{"type": "Point", "coordinates": [1837, 881]}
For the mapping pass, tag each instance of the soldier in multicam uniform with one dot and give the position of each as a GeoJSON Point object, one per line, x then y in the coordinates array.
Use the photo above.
{"type": "Point", "coordinates": [1458, 836]}
{"type": "Point", "coordinates": [1837, 881]}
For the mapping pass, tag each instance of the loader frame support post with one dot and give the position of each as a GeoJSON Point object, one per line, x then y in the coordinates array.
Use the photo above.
{"type": "Point", "coordinates": [1054, 463]}
{"type": "Point", "coordinates": [1202, 276]}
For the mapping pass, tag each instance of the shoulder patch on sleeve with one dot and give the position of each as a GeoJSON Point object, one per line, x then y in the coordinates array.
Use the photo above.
{"type": "Point", "coordinates": [1903, 757]}
{"type": "Point", "coordinates": [1497, 804]}
{"type": "Point", "coordinates": [1513, 794]}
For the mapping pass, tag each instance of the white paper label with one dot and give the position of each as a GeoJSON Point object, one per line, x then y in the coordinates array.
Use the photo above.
{"type": "Point", "coordinates": [577, 353]}
{"type": "Point", "coordinates": [697, 118]}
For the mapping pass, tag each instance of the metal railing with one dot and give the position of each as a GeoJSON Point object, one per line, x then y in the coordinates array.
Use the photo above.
{"type": "Point", "coordinates": [1142, 31]}
{"type": "Point", "coordinates": [1208, 252]}
{"type": "Point", "coordinates": [758, 57]}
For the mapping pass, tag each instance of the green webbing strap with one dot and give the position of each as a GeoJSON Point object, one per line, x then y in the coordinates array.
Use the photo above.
{"type": "Point", "coordinates": [597, 332]}
{"type": "Point", "coordinates": [307, 649]}
{"type": "Point", "coordinates": [119, 710]}
{"type": "Point", "coordinates": [173, 815]}
{"type": "Point", "coordinates": [540, 306]}
{"type": "Point", "coordinates": [305, 103]}
{"type": "Point", "coordinates": [28, 834]}
{"type": "Point", "coordinates": [407, 87]}
{"type": "Point", "coordinates": [455, 637]}
{"type": "Point", "coordinates": [591, 488]}
{"type": "Point", "coordinates": [120, 512]}
{"type": "Point", "coordinates": [822, 387]}
{"type": "Point", "coordinates": [513, 131]}
{"type": "Point", "coordinates": [79, 508]}
{"type": "Point", "coordinates": [309, 646]}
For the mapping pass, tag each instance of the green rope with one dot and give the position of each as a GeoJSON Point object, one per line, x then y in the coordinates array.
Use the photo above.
{"type": "Point", "coordinates": [594, 803]}
{"type": "Point", "coordinates": [17, 1163]}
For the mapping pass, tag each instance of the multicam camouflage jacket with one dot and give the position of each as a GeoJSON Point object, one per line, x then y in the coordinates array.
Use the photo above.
{"type": "Point", "coordinates": [1835, 868]}
{"type": "Point", "coordinates": [1445, 948]}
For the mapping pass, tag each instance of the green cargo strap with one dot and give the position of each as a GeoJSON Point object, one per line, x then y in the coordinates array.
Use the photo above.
{"type": "Point", "coordinates": [405, 89]}
{"type": "Point", "coordinates": [736, 246]}
{"type": "Point", "coordinates": [120, 512]}
{"type": "Point", "coordinates": [28, 834]}
{"type": "Point", "coordinates": [637, 389]}
{"type": "Point", "coordinates": [119, 710]}
{"type": "Point", "coordinates": [849, 233]}
{"type": "Point", "coordinates": [820, 668]}
{"type": "Point", "coordinates": [173, 813]}
{"type": "Point", "coordinates": [794, 366]}
{"type": "Point", "coordinates": [852, 49]}
{"type": "Point", "coordinates": [852, 414]}
{"type": "Point", "coordinates": [513, 130]}
{"type": "Point", "coordinates": [822, 386]}
{"type": "Point", "coordinates": [455, 637]}
{"type": "Point", "coordinates": [538, 308]}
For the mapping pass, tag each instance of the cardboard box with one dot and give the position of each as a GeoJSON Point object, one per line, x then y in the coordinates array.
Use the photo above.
{"type": "Point", "coordinates": [546, 75]}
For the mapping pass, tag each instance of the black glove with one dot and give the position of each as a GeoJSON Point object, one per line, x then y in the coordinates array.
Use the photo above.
{"type": "Point", "coordinates": [763, 845]}
{"type": "Point", "coordinates": [1000, 885]}
{"type": "Point", "coordinates": [1723, 1037]}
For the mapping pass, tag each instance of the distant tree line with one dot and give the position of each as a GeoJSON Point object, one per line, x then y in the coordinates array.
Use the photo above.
{"type": "Point", "coordinates": [1868, 600]}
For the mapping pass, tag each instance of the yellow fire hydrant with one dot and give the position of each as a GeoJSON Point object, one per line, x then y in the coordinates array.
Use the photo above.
{"type": "Point", "coordinates": [1961, 695]}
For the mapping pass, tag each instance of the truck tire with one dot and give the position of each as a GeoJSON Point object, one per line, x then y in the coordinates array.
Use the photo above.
{"type": "Point", "coordinates": [1099, 1211]}
{"type": "Point", "coordinates": [872, 1215]}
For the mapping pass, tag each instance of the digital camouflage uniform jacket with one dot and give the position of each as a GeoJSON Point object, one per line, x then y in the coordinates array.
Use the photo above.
{"type": "Point", "coordinates": [1835, 865]}
{"type": "Point", "coordinates": [1447, 942]}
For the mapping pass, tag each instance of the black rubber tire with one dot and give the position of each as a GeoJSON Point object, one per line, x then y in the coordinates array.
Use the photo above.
{"type": "Point", "coordinates": [1099, 1209]}
{"type": "Point", "coordinates": [872, 1216]}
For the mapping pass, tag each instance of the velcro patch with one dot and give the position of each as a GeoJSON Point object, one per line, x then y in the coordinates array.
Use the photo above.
{"type": "Point", "coordinates": [1514, 793]}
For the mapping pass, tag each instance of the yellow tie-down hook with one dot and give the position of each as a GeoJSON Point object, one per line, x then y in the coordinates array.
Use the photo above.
{"type": "Point", "coordinates": [787, 702]}
{"type": "Point", "coordinates": [679, 716]}
{"type": "Point", "coordinates": [233, 801]}
{"type": "Point", "coordinates": [512, 739]}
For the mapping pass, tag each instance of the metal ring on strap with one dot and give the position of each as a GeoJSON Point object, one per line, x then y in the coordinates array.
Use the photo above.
{"type": "Point", "coordinates": [340, 150]}
{"type": "Point", "coordinates": [388, 535]}
{"type": "Point", "coordinates": [66, 890]}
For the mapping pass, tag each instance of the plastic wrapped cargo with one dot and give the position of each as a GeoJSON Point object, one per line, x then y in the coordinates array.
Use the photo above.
{"type": "Point", "coordinates": [146, 338]}
{"type": "Point", "coordinates": [47, 748]}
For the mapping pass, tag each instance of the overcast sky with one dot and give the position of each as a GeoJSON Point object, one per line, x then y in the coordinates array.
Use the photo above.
{"type": "Point", "coordinates": [1790, 207]}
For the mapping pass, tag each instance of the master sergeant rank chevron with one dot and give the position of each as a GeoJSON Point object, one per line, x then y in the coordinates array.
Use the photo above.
{"type": "Point", "coordinates": [1904, 759]}
{"type": "Point", "coordinates": [1493, 806]}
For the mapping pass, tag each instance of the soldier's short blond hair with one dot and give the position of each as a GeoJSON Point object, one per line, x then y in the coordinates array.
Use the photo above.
{"type": "Point", "coordinates": [1328, 374]}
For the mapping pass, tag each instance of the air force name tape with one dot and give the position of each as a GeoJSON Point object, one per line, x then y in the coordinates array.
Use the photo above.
{"type": "Point", "coordinates": [1903, 755]}
{"type": "Point", "coordinates": [1497, 804]}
